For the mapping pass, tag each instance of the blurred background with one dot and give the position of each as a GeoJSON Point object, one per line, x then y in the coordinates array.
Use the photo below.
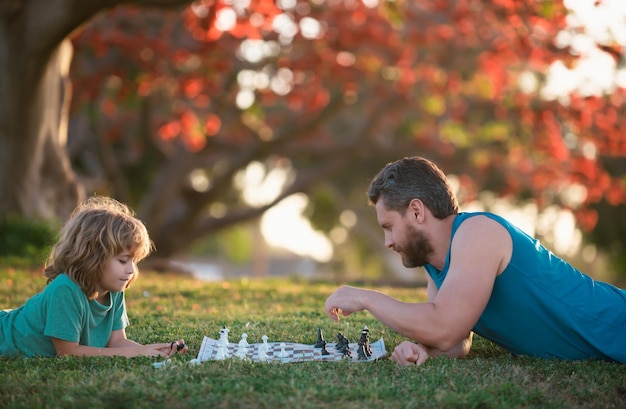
{"type": "Point", "coordinates": [245, 133]}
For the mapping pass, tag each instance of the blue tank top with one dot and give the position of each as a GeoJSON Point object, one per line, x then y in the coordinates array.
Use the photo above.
{"type": "Point", "coordinates": [542, 306]}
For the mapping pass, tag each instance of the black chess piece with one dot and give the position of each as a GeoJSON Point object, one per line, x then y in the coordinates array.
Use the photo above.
{"type": "Point", "coordinates": [365, 341]}
{"type": "Point", "coordinates": [345, 351]}
{"type": "Point", "coordinates": [320, 339]}
{"type": "Point", "coordinates": [343, 348]}
{"type": "Point", "coordinates": [324, 351]}
{"type": "Point", "coordinates": [341, 341]}
{"type": "Point", "coordinates": [362, 356]}
{"type": "Point", "coordinates": [338, 343]}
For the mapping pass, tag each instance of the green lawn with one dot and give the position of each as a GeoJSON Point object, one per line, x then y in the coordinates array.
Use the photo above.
{"type": "Point", "coordinates": [166, 307]}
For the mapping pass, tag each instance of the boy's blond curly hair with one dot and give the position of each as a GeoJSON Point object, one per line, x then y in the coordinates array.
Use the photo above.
{"type": "Point", "coordinates": [98, 229]}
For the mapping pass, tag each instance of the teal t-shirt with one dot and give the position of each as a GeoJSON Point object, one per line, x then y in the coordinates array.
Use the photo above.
{"type": "Point", "coordinates": [542, 306]}
{"type": "Point", "coordinates": [61, 311]}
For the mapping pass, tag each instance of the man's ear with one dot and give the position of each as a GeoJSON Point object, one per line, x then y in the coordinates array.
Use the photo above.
{"type": "Point", "coordinates": [416, 210]}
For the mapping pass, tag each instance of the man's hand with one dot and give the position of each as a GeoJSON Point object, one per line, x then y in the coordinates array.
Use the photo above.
{"type": "Point", "coordinates": [344, 301]}
{"type": "Point", "coordinates": [409, 353]}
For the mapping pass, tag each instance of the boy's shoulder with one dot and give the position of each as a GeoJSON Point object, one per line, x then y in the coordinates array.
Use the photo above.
{"type": "Point", "coordinates": [63, 283]}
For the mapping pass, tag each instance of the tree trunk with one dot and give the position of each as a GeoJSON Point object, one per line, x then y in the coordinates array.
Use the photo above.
{"type": "Point", "coordinates": [36, 179]}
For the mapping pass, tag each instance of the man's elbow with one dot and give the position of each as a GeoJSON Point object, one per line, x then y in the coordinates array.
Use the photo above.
{"type": "Point", "coordinates": [451, 345]}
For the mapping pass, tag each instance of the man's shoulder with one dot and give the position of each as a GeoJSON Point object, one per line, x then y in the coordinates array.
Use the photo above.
{"type": "Point", "coordinates": [483, 240]}
{"type": "Point", "coordinates": [480, 220]}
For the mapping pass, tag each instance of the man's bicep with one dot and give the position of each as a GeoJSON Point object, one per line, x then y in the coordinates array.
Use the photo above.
{"type": "Point", "coordinates": [477, 253]}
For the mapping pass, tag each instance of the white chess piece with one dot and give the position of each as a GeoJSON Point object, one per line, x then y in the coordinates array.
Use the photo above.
{"type": "Point", "coordinates": [222, 353]}
{"type": "Point", "coordinates": [264, 349]}
{"type": "Point", "coordinates": [283, 353]}
{"type": "Point", "coordinates": [222, 344]}
{"type": "Point", "coordinates": [242, 352]}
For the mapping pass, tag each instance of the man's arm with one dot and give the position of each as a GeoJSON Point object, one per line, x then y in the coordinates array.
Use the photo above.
{"type": "Point", "coordinates": [411, 353]}
{"type": "Point", "coordinates": [479, 252]}
{"type": "Point", "coordinates": [461, 349]}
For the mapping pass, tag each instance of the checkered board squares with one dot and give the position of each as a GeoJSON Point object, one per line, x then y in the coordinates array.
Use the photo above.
{"type": "Point", "coordinates": [295, 352]}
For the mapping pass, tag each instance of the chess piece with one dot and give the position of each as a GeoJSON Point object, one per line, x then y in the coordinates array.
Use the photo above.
{"type": "Point", "coordinates": [364, 341]}
{"type": "Point", "coordinates": [242, 351]}
{"type": "Point", "coordinates": [222, 345]}
{"type": "Point", "coordinates": [362, 356]}
{"type": "Point", "coordinates": [345, 351]}
{"type": "Point", "coordinates": [263, 349]}
{"type": "Point", "coordinates": [341, 342]}
{"type": "Point", "coordinates": [324, 351]}
{"type": "Point", "coordinates": [224, 334]}
{"type": "Point", "coordinates": [343, 345]}
{"type": "Point", "coordinates": [222, 353]}
{"type": "Point", "coordinates": [320, 339]}
{"type": "Point", "coordinates": [265, 345]}
{"type": "Point", "coordinates": [283, 353]}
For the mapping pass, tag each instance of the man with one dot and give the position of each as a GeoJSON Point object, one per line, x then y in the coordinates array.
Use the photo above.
{"type": "Point", "coordinates": [484, 276]}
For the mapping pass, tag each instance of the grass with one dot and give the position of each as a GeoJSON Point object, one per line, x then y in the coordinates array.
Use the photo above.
{"type": "Point", "coordinates": [166, 307]}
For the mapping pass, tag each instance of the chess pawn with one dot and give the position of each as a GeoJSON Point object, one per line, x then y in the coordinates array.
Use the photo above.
{"type": "Point", "coordinates": [242, 352]}
{"type": "Point", "coordinates": [263, 355]}
{"type": "Point", "coordinates": [283, 353]}
{"type": "Point", "coordinates": [263, 349]}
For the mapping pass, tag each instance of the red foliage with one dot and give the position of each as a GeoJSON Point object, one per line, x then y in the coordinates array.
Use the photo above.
{"type": "Point", "coordinates": [444, 74]}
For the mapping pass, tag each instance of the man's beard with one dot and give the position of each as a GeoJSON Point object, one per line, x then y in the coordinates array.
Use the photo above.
{"type": "Point", "coordinates": [416, 249]}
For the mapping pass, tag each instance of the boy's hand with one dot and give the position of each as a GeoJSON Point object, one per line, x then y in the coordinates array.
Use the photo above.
{"type": "Point", "coordinates": [178, 346]}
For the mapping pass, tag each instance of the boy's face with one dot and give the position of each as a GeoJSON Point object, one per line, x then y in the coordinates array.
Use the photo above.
{"type": "Point", "coordinates": [117, 273]}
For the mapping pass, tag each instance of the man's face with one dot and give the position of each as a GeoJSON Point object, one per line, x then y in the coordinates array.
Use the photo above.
{"type": "Point", "coordinates": [403, 236]}
{"type": "Point", "coordinates": [416, 248]}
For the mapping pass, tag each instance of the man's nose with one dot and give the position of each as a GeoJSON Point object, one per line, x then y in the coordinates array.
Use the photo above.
{"type": "Point", "coordinates": [388, 241]}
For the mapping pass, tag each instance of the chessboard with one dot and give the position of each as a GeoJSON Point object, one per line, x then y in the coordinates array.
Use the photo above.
{"type": "Point", "coordinates": [286, 352]}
